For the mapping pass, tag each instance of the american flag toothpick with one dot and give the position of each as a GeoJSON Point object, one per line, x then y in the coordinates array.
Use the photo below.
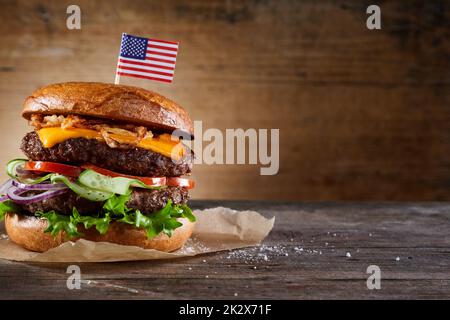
{"type": "Point", "coordinates": [145, 58]}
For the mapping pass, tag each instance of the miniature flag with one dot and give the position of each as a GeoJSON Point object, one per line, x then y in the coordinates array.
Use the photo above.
{"type": "Point", "coordinates": [146, 58]}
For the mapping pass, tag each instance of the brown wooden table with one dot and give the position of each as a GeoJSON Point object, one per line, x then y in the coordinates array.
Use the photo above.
{"type": "Point", "coordinates": [315, 251]}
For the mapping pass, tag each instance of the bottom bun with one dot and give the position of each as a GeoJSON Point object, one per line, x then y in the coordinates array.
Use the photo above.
{"type": "Point", "coordinates": [28, 232]}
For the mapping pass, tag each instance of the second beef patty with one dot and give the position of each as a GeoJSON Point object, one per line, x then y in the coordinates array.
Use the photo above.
{"type": "Point", "coordinates": [146, 201]}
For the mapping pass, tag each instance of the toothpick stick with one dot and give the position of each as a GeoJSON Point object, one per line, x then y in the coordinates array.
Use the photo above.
{"type": "Point", "coordinates": [117, 81]}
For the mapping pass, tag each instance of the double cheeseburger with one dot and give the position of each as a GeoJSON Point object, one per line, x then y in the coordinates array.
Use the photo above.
{"type": "Point", "coordinates": [104, 163]}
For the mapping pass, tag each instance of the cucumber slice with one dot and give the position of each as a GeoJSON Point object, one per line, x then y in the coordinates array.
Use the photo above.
{"type": "Point", "coordinates": [117, 185]}
{"type": "Point", "coordinates": [12, 166]}
{"type": "Point", "coordinates": [82, 191]}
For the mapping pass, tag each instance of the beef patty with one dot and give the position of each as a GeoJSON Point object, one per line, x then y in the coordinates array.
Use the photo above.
{"type": "Point", "coordinates": [145, 200]}
{"type": "Point", "coordinates": [134, 161]}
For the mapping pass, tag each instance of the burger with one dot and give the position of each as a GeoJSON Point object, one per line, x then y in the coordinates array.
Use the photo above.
{"type": "Point", "coordinates": [104, 163]}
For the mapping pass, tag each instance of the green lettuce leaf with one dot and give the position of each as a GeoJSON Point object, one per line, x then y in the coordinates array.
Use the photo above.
{"type": "Point", "coordinates": [115, 209]}
{"type": "Point", "coordinates": [164, 220]}
{"type": "Point", "coordinates": [7, 206]}
{"type": "Point", "coordinates": [58, 222]}
{"type": "Point", "coordinates": [101, 224]}
{"type": "Point", "coordinates": [186, 212]}
{"type": "Point", "coordinates": [116, 204]}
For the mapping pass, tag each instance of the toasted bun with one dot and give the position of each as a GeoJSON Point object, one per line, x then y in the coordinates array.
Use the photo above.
{"type": "Point", "coordinates": [28, 232]}
{"type": "Point", "coordinates": [109, 101]}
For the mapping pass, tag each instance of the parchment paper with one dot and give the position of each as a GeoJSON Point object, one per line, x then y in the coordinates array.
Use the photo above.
{"type": "Point", "coordinates": [216, 229]}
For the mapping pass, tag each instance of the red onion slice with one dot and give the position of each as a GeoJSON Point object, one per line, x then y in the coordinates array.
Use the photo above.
{"type": "Point", "coordinates": [4, 187]}
{"type": "Point", "coordinates": [14, 195]}
{"type": "Point", "coordinates": [3, 198]}
{"type": "Point", "coordinates": [39, 186]}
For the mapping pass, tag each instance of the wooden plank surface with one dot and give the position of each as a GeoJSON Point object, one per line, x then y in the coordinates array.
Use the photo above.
{"type": "Point", "coordinates": [304, 257]}
{"type": "Point", "coordinates": [363, 114]}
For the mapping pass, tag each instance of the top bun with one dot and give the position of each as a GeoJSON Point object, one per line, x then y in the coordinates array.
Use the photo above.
{"type": "Point", "coordinates": [109, 101]}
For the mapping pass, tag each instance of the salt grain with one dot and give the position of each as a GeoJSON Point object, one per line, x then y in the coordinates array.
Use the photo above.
{"type": "Point", "coordinates": [264, 253]}
{"type": "Point", "coordinates": [235, 294]}
{"type": "Point", "coordinates": [193, 246]}
{"type": "Point", "coordinates": [298, 250]}
{"type": "Point", "coordinates": [397, 259]}
{"type": "Point", "coordinates": [258, 254]}
{"type": "Point", "coordinates": [348, 255]}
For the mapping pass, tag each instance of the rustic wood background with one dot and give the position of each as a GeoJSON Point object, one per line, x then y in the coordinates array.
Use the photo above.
{"type": "Point", "coordinates": [362, 114]}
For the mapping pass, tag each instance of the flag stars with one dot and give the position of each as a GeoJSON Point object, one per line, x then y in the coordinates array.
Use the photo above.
{"type": "Point", "coordinates": [133, 47]}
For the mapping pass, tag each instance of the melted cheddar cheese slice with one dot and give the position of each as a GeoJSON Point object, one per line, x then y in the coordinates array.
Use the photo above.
{"type": "Point", "coordinates": [162, 144]}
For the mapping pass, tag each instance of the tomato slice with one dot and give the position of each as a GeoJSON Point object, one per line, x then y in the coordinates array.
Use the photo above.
{"type": "Point", "coordinates": [180, 182]}
{"type": "Point", "coordinates": [150, 181]}
{"type": "Point", "coordinates": [44, 166]}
